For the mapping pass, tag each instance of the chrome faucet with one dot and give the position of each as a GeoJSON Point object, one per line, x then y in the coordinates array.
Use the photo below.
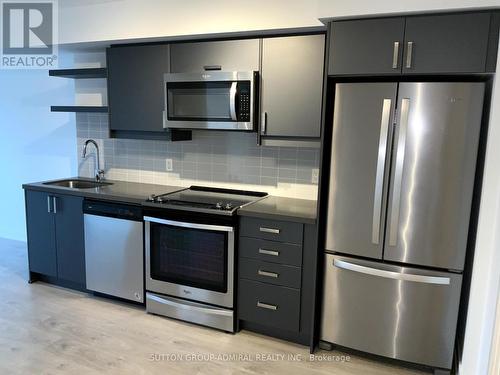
{"type": "Point", "coordinates": [99, 173]}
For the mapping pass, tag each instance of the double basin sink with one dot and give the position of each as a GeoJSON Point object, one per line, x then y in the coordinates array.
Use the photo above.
{"type": "Point", "coordinates": [78, 184]}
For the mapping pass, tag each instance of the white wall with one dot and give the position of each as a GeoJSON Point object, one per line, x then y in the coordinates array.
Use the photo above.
{"type": "Point", "coordinates": [35, 144]}
{"type": "Point", "coordinates": [98, 20]}
{"type": "Point", "coordinates": [486, 269]}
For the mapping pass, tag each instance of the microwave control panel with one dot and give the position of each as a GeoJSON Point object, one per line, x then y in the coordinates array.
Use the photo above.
{"type": "Point", "coordinates": [244, 101]}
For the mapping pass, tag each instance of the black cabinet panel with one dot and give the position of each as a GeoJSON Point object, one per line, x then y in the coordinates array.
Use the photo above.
{"type": "Point", "coordinates": [456, 43]}
{"type": "Point", "coordinates": [269, 305]}
{"type": "Point", "coordinates": [363, 47]}
{"type": "Point", "coordinates": [273, 230]}
{"type": "Point", "coordinates": [70, 239]}
{"type": "Point", "coordinates": [41, 233]}
{"type": "Point", "coordinates": [272, 273]}
{"type": "Point", "coordinates": [135, 87]}
{"type": "Point", "coordinates": [271, 251]}
{"type": "Point", "coordinates": [55, 236]}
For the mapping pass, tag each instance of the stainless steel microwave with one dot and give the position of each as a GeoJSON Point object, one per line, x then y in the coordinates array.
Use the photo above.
{"type": "Point", "coordinates": [210, 100]}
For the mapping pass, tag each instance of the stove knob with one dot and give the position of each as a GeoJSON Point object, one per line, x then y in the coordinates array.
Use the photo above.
{"type": "Point", "coordinates": [159, 200]}
{"type": "Point", "coordinates": [229, 206]}
{"type": "Point", "coordinates": [218, 205]}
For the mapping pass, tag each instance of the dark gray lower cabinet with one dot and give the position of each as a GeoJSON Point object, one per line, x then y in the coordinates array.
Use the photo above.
{"type": "Point", "coordinates": [277, 278]}
{"type": "Point", "coordinates": [70, 238]}
{"type": "Point", "coordinates": [55, 237]}
{"type": "Point", "coordinates": [41, 228]}
{"type": "Point", "coordinates": [274, 306]}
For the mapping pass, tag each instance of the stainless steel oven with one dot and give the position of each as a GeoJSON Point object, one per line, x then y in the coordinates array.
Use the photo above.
{"type": "Point", "coordinates": [190, 271]}
{"type": "Point", "coordinates": [210, 100]}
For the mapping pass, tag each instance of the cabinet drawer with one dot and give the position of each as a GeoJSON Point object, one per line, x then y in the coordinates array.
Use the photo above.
{"type": "Point", "coordinates": [274, 230]}
{"type": "Point", "coordinates": [272, 273]}
{"type": "Point", "coordinates": [269, 305]}
{"type": "Point", "coordinates": [271, 251]}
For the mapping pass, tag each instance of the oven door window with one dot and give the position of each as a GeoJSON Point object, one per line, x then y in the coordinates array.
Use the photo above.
{"type": "Point", "coordinates": [190, 257]}
{"type": "Point", "coordinates": [195, 101]}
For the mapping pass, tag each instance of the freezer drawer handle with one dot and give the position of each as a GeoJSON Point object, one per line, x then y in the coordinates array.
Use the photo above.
{"type": "Point", "coordinates": [267, 306]}
{"type": "Point", "coordinates": [379, 180]}
{"type": "Point", "coordinates": [391, 274]}
{"type": "Point", "coordinates": [398, 172]}
{"type": "Point", "coordinates": [268, 274]}
{"type": "Point", "coordinates": [269, 230]}
{"type": "Point", "coordinates": [269, 252]}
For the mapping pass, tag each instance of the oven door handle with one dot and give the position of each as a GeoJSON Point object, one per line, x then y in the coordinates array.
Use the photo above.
{"type": "Point", "coordinates": [219, 228]}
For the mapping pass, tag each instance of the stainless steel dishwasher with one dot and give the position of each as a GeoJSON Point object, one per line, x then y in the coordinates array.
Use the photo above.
{"type": "Point", "coordinates": [114, 249]}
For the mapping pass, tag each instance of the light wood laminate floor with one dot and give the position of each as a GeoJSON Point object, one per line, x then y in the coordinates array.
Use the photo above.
{"type": "Point", "coordinates": [50, 330]}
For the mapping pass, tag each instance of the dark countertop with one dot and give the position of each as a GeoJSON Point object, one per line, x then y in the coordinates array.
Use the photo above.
{"type": "Point", "coordinates": [271, 207]}
{"type": "Point", "coordinates": [119, 191]}
{"type": "Point", "coordinates": [279, 208]}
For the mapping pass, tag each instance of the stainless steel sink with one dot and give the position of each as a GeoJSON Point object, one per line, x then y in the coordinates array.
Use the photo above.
{"type": "Point", "coordinates": [78, 184]}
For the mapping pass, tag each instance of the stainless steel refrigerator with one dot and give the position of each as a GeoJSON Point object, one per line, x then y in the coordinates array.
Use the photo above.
{"type": "Point", "coordinates": [401, 183]}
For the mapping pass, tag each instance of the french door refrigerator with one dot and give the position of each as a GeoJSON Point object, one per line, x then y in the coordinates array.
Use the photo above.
{"type": "Point", "coordinates": [401, 184]}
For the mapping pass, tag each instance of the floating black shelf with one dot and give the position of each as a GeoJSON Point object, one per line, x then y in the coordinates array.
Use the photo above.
{"type": "Point", "coordinates": [83, 73]}
{"type": "Point", "coordinates": [78, 108]}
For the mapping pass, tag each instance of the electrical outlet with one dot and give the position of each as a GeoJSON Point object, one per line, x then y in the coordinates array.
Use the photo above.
{"type": "Point", "coordinates": [169, 165]}
{"type": "Point", "coordinates": [315, 176]}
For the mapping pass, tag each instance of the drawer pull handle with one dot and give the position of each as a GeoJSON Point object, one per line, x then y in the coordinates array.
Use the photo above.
{"type": "Point", "coordinates": [267, 306]}
{"type": "Point", "coordinates": [269, 252]}
{"type": "Point", "coordinates": [268, 274]}
{"type": "Point", "coordinates": [269, 230]}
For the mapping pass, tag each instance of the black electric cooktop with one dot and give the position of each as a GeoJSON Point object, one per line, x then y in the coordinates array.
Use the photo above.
{"type": "Point", "coordinates": [207, 199]}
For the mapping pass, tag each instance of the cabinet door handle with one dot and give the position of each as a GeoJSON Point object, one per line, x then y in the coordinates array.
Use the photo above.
{"type": "Point", "coordinates": [264, 123]}
{"type": "Point", "coordinates": [49, 208]}
{"type": "Point", "coordinates": [409, 53]}
{"type": "Point", "coordinates": [274, 275]}
{"type": "Point", "coordinates": [395, 55]}
{"type": "Point", "coordinates": [54, 199]}
{"type": "Point", "coordinates": [267, 306]}
{"type": "Point", "coordinates": [212, 67]}
{"type": "Point", "coordinates": [269, 230]}
{"type": "Point", "coordinates": [269, 252]}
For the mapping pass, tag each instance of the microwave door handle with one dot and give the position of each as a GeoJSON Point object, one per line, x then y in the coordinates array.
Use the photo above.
{"type": "Point", "coordinates": [232, 100]}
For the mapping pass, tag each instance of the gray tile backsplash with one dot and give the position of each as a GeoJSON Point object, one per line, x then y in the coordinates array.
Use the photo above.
{"type": "Point", "coordinates": [223, 159]}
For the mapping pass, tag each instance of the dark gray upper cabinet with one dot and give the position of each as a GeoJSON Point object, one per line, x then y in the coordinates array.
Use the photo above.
{"type": "Point", "coordinates": [55, 236]}
{"type": "Point", "coordinates": [426, 44]}
{"type": "Point", "coordinates": [41, 230]}
{"type": "Point", "coordinates": [292, 86]}
{"type": "Point", "coordinates": [456, 43]}
{"type": "Point", "coordinates": [227, 55]}
{"type": "Point", "coordinates": [366, 47]}
{"type": "Point", "coordinates": [70, 238]}
{"type": "Point", "coordinates": [135, 87]}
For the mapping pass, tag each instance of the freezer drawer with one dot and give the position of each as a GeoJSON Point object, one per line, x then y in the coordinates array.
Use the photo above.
{"type": "Point", "coordinates": [397, 312]}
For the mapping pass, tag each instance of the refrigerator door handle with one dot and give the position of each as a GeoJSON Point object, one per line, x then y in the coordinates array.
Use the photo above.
{"type": "Point", "coordinates": [390, 274]}
{"type": "Point", "coordinates": [379, 180]}
{"type": "Point", "coordinates": [398, 172]}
